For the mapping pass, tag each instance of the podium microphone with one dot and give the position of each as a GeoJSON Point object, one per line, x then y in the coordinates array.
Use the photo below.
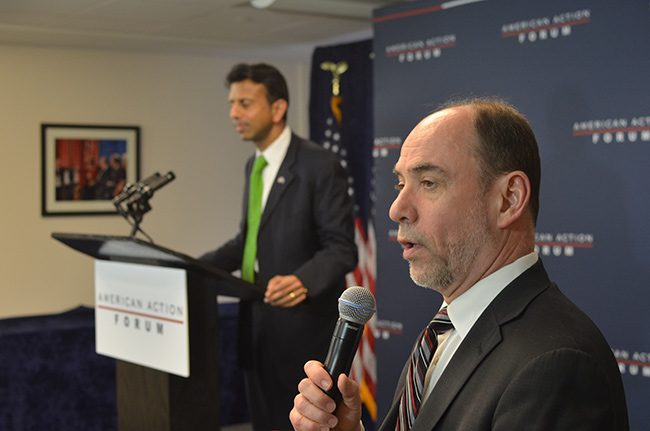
{"type": "Point", "coordinates": [130, 189]}
{"type": "Point", "coordinates": [356, 307]}
{"type": "Point", "coordinates": [158, 183]}
{"type": "Point", "coordinates": [148, 188]}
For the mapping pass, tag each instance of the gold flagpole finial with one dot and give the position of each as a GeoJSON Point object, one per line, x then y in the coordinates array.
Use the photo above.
{"type": "Point", "coordinates": [337, 70]}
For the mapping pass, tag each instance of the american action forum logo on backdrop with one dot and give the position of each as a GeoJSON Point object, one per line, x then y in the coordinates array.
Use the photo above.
{"type": "Point", "coordinates": [635, 364]}
{"type": "Point", "coordinates": [420, 49]}
{"type": "Point", "coordinates": [544, 28]}
{"type": "Point", "coordinates": [562, 244]}
{"type": "Point", "coordinates": [614, 130]}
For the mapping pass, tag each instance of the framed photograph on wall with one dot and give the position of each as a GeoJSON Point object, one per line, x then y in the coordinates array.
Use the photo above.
{"type": "Point", "coordinates": [85, 166]}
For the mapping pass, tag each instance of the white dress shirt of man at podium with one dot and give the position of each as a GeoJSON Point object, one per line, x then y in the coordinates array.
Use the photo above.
{"type": "Point", "coordinates": [305, 246]}
{"type": "Point", "coordinates": [518, 354]}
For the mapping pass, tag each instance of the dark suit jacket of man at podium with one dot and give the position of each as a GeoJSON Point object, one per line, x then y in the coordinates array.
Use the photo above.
{"type": "Point", "coordinates": [307, 230]}
{"type": "Point", "coordinates": [508, 356]}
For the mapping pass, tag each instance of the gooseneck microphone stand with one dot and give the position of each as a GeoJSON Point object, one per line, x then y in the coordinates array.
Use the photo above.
{"type": "Point", "coordinates": [133, 202]}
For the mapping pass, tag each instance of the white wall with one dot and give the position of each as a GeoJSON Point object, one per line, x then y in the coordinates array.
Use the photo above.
{"type": "Point", "coordinates": [179, 101]}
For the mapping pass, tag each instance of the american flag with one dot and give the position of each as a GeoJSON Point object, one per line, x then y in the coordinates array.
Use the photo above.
{"type": "Point", "coordinates": [341, 121]}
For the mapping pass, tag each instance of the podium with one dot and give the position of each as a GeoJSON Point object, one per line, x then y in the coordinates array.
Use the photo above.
{"type": "Point", "coordinates": [150, 399]}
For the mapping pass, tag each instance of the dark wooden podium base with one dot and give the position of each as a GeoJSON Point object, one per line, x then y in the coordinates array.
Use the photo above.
{"type": "Point", "coordinates": [152, 400]}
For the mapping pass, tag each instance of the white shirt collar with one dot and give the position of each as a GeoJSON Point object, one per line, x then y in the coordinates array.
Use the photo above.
{"type": "Point", "coordinates": [465, 310]}
{"type": "Point", "coordinates": [274, 155]}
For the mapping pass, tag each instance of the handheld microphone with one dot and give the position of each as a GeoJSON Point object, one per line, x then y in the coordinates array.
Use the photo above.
{"type": "Point", "coordinates": [356, 307]}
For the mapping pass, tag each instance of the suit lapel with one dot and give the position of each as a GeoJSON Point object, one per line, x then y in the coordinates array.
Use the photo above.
{"type": "Point", "coordinates": [465, 360]}
{"type": "Point", "coordinates": [476, 346]}
{"type": "Point", "coordinates": [481, 340]}
{"type": "Point", "coordinates": [281, 182]}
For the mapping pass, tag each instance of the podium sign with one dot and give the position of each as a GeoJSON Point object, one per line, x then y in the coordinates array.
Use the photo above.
{"type": "Point", "coordinates": [141, 315]}
{"type": "Point", "coordinates": [156, 312]}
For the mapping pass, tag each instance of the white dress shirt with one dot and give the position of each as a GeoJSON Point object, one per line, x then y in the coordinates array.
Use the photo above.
{"type": "Point", "coordinates": [274, 155]}
{"type": "Point", "coordinates": [465, 310]}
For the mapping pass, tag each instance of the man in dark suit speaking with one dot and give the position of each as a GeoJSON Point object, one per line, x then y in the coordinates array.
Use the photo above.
{"type": "Point", "coordinates": [507, 350]}
{"type": "Point", "coordinates": [296, 239]}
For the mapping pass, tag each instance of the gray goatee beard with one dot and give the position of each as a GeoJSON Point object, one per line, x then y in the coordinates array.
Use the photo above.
{"type": "Point", "coordinates": [444, 272]}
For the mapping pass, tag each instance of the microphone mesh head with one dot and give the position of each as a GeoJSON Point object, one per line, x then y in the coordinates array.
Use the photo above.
{"type": "Point", "coordinates": [357, 305]}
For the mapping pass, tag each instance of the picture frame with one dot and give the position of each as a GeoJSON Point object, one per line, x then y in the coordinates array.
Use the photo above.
{"type": "Point", "coordinates": [85, 166]}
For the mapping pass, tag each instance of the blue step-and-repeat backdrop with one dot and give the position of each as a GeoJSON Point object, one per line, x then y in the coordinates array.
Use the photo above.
{"type": "Point", "coordinates": [580, 71]}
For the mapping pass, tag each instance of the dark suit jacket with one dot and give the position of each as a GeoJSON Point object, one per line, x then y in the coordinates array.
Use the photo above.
{"type": "Point", "coordinates": [532, 361]}
{"type": "Point", "coordinates": [307, 230]}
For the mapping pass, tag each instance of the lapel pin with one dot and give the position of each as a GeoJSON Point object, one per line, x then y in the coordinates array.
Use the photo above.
{"type": "Point", "coordinates": [281, 180]}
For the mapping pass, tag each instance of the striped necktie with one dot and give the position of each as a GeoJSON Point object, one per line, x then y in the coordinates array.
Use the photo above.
{"type": "Point", "coordinates": [253, 220]}
{"type": "Point", "coordinates": [423, 351]}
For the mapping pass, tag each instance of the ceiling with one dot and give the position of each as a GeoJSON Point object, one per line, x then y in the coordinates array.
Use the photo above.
{"type": "Point", "coordinates": [284, 29]}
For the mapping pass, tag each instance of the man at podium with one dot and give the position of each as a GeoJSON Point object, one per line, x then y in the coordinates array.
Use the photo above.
{"type": "Point", "coordinates": [296, 239]}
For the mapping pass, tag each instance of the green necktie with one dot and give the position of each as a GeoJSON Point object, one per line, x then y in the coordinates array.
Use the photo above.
{"type": "Point", "coordinates": [253, 221]}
